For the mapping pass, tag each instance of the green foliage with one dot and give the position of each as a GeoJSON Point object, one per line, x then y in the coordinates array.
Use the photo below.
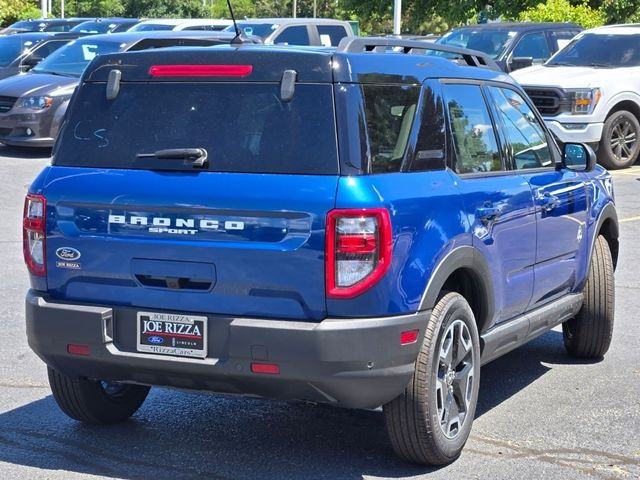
{"type": "Point", "coordinates": [165, 8]}
{"type": "Point", "coordinates": [89, 8]}
{"type": "Point", "coordinates": [563, 11]}
{"type": "Point", "coordinates": [13, 10]}
{"type": "Point", "coordinates": [621, 11]}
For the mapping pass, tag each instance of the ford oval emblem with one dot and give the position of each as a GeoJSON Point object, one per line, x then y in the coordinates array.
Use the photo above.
{"type": "Point", "coordinates": [156, 340]}
{"type": "Point", "coordinates": [67, 253]}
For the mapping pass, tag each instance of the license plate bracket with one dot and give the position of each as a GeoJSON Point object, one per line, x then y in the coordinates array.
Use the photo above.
{"type": "Point", "coordinates": [172, 334]}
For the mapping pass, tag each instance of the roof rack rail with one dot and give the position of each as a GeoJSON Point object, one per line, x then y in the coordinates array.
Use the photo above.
{"type": "Point", "coordinates": [471, 58]}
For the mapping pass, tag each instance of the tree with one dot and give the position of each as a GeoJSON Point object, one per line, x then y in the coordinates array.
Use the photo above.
{"type": "Point", "coordinates": [13, 10]}
{"type": "Point", "coordinates": [563, 11]}
{"type": "Point", "coordinates": [165, 8]}
{"type": "Point", "coordinates": [90, 8]}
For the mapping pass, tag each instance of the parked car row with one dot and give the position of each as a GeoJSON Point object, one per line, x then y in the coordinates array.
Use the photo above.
{"type": "Point", "coordinates": [568, 74]}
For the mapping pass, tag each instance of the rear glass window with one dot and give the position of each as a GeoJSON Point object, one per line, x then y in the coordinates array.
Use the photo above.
{"type": "Point", "coordinates": [244, 127]}
{"type": "Point", "coordinates": [390, 110]}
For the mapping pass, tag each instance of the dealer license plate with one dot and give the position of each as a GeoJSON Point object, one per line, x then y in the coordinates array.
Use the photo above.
{"type": "Point", "coordinates": [172, 334]}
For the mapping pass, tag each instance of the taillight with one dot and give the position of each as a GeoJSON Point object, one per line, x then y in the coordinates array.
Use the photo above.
{"type": "Point", "coordinates": [33, 234]}
{"type": "Point", "coordinates": [358, 250]}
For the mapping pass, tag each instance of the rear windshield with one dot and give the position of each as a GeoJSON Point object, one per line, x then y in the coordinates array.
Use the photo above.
{"type": "Point", "coordinates": [244, 127]}
{"type": "Point", "coordinates": [28, 25]}
{"type": "Point", "coordinates": [258, 29]}
{"type": "Point", "coordinates": [93, 27]}
{"type": "Point", "coordinates": [73, 58]}
{"type": "Point", "coordinates": [152, 27]}
{"type": "Point", "coordinates": [492, 42]}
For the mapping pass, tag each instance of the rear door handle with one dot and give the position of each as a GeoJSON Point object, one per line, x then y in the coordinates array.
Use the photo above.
{"type": "Point", "coordinates": [488, 214]}
{"type": "Point", "coordinates": [548, 202]}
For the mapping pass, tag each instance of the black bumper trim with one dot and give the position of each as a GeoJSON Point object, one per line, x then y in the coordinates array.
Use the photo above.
{"type": "Point", "coordinates": [356, 363]}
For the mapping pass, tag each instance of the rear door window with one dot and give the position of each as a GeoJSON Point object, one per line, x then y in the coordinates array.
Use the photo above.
{"type": "Point", "coordinates": [244, 127]}
{"type": "Point", "coordinates": [330, 35]}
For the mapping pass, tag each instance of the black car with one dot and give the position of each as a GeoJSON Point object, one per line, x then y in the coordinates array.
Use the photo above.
{"type": "Point", "coordinates": [513, 45]}
{"type": "Point", "coordinates": [45, 25]}
{"type": "Point", "coordinates": [22, 51]}
{"type": "Point", "coordinates": [105, 25]}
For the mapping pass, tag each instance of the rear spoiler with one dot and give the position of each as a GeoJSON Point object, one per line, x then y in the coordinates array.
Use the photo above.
{"type": "Point", "coordinates": [471, 58]}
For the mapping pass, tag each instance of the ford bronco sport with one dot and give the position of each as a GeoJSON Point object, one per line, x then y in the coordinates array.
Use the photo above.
{"type": "Point", "coordinates": [359, 226]}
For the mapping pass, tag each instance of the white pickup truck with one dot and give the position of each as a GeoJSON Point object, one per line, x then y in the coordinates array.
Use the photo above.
{"type": "Point", "coordinates": [589, 92]}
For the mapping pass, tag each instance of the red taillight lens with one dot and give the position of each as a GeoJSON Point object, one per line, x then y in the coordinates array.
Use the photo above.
{"type": "Point", "coordinates": [358, 250]}
{"type": "Point", "coordinates": [34, 234]}
{"type": "Point", "coordinates": [268, 368]}
{"type": "Point", "coordinates": [200, 70]}
{"type": "Point", "coordinates": [408, 337]}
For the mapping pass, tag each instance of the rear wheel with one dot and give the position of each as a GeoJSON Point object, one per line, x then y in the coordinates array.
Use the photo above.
{"type": "Point", "coordinates": [619, 145]}
{"type": "Point", "coordinates": [430, 422]}
{"type": "Point", "coordinates": [588, 335]}
{"type": "Point", "coordinates": [95, 401]}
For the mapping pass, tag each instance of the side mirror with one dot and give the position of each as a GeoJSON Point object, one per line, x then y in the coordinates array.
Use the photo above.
{"type": "Point", "coordinates": [31, 61]}
{"type": "Point", "coordinates": [579, 157]}
{"type": "Point", "coordinates": [517, 63]}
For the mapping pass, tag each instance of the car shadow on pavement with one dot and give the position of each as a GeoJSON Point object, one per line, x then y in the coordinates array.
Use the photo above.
{"type": "Point", "coordinates": [179, 435]}
{"type": "Point", "coordinates": [506, 376]}
{"type": "Point", "coordinates": [24, 152]}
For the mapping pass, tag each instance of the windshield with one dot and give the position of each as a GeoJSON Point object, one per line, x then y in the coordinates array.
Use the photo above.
{"type": "Point", "coordinates": [492, 42]}
{"type": "Point", "coordinates": [72, 59]}
{"type": "Point", "coordinates": [598, 50]}
{"type": "Point", "coordinates": [258, 29]}
{"type": "Point", "coordinates": [244, 127]}
{"type": "Point", "coordinates": [11, 47]}
{"type": "Point", "coordinates": [151, 27]}
{"type": "Point", "coordinates": [28, 26]}
{"type": "Point", "coordinates": [93, 27]}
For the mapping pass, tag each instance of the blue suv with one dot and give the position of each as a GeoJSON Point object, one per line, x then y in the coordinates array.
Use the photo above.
{"type": "Point", "coordinates": [359, 226]}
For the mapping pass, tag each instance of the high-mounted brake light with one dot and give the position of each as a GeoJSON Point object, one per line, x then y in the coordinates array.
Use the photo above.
{"type": "Point", "coordinates": [200, 70]}
{"type": "Point", "coordinates": [34, 234]}
{"type": "Point", "coordinates": [358, 250]}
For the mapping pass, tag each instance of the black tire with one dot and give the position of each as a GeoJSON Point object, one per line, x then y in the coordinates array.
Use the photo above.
{"type": "Point", "coordinates": [413, 419]}
{"type": "Point", "coordinates": [588, 335]}
{"type": "Point", "coordinates": [95, 402]}
{"type": "Point", "coordinates": [619, 145]}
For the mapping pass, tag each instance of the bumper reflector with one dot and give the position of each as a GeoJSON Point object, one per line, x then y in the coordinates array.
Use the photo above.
{"type": "Point", "coordinates": [74, 349]}
{"type": "Point", "coordinates": [408, 337]}
{"type": "Point", "coordinates": [269, 368]}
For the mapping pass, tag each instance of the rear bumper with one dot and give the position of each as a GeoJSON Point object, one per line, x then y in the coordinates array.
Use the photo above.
{"type": "Point", "coordinates": [356, 363]}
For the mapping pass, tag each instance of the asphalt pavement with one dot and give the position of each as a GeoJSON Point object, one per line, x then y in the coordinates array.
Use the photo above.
{"type": "Point", "coordinates": [541, 413]}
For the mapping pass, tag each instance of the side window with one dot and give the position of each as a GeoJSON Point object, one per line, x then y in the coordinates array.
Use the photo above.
{"type": "Point", "coordinates": [330, 35]}
{"type": "Point", "coordinates": [561, 38]}
{"type": "Point", "coordinates": [389, 112]}
{"type": "Point", "coordinates": [473, 134]}
{"type": "Point", "coordinates": [43, 51]}
{"type": "Point", "coordinates": [296, 35]}
{"type": "Point", "coordinates": [523, 132]}
{"type": "Point", "coordinates": [533, 45]}
{"type": "Point", "coordinates": [430, 146]}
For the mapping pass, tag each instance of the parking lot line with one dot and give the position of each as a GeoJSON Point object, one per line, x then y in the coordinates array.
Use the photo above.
{"type": "Point", "coordinates": [629, 219]}
{"type": "Point", "coordinates": [629, 171]}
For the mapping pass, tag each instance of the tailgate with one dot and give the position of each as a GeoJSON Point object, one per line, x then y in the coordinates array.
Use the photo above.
{"type": "Point", "coordinates": [225, 243]}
